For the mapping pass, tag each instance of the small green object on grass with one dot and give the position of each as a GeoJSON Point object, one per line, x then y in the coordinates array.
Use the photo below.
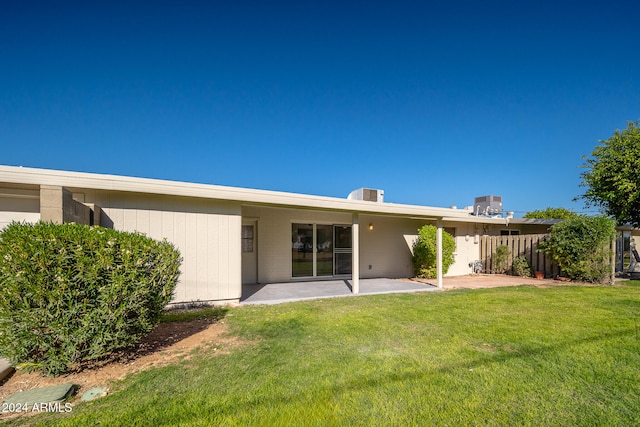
{"type": "Point", "coordinates": [56, 393]}
{"type": "Point", "coordinates": [94, 393]}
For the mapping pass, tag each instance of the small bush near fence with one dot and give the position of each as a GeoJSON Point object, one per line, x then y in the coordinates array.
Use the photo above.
{"type": "Point", "coordinates": [521, 267]}
{"type": "Point", "coordinates": [424, 252]}
{"type": "Point", "coordinates": [72, 293]}
{"type": "Point", "coordinates": [582, 247]}
{"type": "Point", "coordinates": [501, 258]}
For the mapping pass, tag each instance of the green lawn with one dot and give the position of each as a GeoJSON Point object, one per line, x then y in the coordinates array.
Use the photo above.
{"type": "Point", "coordinates": [507, 356]}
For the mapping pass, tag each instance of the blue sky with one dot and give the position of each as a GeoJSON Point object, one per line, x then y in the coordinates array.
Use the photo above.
{"type": "Point", "coordinates": [435, 102]}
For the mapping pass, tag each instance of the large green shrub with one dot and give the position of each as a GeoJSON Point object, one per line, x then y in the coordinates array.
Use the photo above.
{"type": "Point", "coordinates": [582, 247]}
{"type": "Point", "coordinates": [72, 293]}
{"type": "Point", "coordinates": [424, 252]}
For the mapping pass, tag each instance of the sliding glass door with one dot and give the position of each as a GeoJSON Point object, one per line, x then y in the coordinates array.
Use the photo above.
{"type": "Point", "coordinates": [319, 250]}
{"type": "Point", "coordinates": [324, 254]}
{"type": "Point", "coordinates": [302, 250]}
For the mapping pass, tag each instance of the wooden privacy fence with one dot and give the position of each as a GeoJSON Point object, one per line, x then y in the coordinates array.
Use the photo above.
{"type": "Point", "coordinates": [522, 245]}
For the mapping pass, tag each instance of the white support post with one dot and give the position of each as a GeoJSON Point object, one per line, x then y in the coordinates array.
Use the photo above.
{"type": "Point", "coordinates": [613, 261]}
{"type": "Point", "coordinates": [439, 252]}
{"type": "Point", "coordinates": [355, 254]}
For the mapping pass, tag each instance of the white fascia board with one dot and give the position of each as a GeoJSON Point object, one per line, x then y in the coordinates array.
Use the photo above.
{"type": "Point", "coordinates": [534, 221]}
{"type": "Point", "coordinates": [22, 175]}
{"type": "Point", "coordinates": [503, 221]}
{"type": "Point", "coordinates": [478, 219]}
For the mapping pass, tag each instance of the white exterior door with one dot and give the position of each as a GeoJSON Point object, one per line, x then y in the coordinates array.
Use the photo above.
{"type": "Point", "coordinates": [249, 252]}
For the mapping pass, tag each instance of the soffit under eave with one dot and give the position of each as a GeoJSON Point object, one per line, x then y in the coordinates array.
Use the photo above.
{"type": "Point", "coordinates": [386, 211]}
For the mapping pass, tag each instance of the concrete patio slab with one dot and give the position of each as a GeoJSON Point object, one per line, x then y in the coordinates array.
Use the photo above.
{"type": "Point", "coordinates": [275, 293]}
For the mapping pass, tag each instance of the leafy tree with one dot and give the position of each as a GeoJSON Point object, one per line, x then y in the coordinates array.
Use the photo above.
{"type": "Point", "coordinates": [582, 247]}
{"type": "Point", "coordinates": [424, 252]}
{"type": "Point", "coordinates": [551, 213]}
{"type": "Point", "coordinates": [612, 177]}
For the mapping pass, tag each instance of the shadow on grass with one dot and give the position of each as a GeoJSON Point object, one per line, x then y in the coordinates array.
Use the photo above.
{"type": "Point", "coordinates": [173, 327]}
{"type": "Point", "coordinates": [372, 382]}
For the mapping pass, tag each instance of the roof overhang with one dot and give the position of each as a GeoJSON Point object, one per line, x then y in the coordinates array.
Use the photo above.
{"type": "Point", "coordinates": [23, 177]}
{"type": "Point", "coordinates": [83, 180]}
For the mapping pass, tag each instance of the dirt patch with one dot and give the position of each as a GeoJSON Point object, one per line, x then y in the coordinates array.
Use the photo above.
{"type": "Point", "coordinates": [168, 343]}
{"type": "Point", "coordinates": [480, 281]}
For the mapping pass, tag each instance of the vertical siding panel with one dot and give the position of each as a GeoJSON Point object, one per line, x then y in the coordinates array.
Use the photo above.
{"type": "Point", "coordinates": [206, 232]}
{"type": "Point", "coordinates": [223, 255]}
{"type": "Point", "coordinates": [179, 240]}
{"type": "Point", "coordinates": [130, 216]}
{"type": "Point", "coordinates": [213, 250]}
{"type": "Point", "coordinates": [204, 291]}
{"type": "Point", "coordinates": [191, 235]}
{"type": "Point", "coordinates": [155, 225]}
{"type": "Point", "coordinates": [142, 214]}
{"type": "Point", "coordinates": [155, 218]}
{"type": "Point", "coordinates": [167, 225]}
{"type": "Point", "coordinates": [114, 213]}
{"type": "Point", "coordinates": [235, 257]}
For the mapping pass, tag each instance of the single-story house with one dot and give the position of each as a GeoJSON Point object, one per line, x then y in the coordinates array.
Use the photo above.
{"type": "Point", "coordinates": [233, 236]}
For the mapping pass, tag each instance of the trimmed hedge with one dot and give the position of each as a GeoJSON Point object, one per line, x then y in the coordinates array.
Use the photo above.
{"type": "Point", "coordinates": [72, 293]}
{"type": "Point", "coordinates": [424, 252]}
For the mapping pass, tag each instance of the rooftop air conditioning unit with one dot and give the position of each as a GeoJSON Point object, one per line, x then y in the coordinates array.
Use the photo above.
{"type": "Point", "coordinates": [487, 206]}
{"type": "Point", "coordinates": [367, 194]}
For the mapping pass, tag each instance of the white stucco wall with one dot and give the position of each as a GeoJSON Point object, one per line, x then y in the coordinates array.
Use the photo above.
{"type": "Point", "coordinates": [392, 257]}
{"type": "Point", "coordinates": [467, 248]}
{"type": "Point", "coordinates": [385, 251]}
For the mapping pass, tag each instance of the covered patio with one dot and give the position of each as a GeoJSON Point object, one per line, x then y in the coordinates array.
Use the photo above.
{"type": "Point", "coordinates": [275, 293]}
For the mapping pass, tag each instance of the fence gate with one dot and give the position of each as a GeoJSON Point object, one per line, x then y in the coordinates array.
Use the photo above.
{"type": "Point", "coordinates": [522, 245]}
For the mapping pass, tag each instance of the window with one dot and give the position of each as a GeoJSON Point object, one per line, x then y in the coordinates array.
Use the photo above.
{"type": "Point", "coordinates": [247, 238]}
{"type": "Point", "coordinates": [509, 232]}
